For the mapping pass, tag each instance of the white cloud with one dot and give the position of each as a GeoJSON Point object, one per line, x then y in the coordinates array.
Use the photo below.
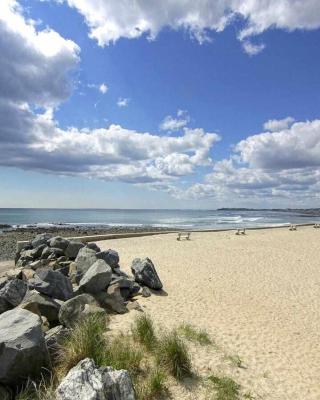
{"type": "Point", "coordinates": [103, 88]}
{"type": "Point", "coordinates": [111, 20]}
{"type": "Point", "coordinates": [251, 48]}
{"type": "Point", "coordinates": [278, 124]}
{"type": "Point", "coordinates": [175, 123]}
{"type": "Point", "coordinates": [123, 102]}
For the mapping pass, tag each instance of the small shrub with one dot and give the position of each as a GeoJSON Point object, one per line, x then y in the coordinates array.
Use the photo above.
{"type": "Point", "coordinates": [173, 355]}
{"type": "Point", "coordinates": [225, 388]}
{"type": "Point", "coordinates": [121, 353]}
{"type": "Point", "coordinates": [154, 386]}
{"type": "Point", "coordinates": [194, 335]}
{"type": "Point", "coordinates": [85, 340]}
{"type": "Point", "coordinates": [143, 331]}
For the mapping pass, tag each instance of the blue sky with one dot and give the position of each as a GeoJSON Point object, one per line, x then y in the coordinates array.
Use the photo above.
{"type": "Point", "coordinates": [177, 121]}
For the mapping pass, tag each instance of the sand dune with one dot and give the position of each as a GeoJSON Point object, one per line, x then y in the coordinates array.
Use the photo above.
{"type": "Point", "coordinates": [258, 296]}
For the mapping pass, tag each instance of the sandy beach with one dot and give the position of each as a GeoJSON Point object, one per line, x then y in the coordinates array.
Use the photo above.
{"type": "Point", "coordinates": [258, 296]}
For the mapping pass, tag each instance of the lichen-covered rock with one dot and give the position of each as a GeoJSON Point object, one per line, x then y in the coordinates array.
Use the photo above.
{"type": "Point", "coordinates": [111, 257]}
{"type": "Point", "coordinates": [78, 307]}
{"type": "Point", "coordinates": [23, 350]}
{"type": "Point", "coordinates": [88, 382]}
{"type": "Point", "coordinates": [97, 278]}
{"type": "Point", "coordinates": [52, 283]}
{"type": "Point", "coordinates": [145, 273]}
{"type": "Point", "coordinates": [72, 249]}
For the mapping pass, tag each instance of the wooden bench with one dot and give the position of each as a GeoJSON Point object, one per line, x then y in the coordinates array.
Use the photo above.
{"type": "Point", "coordinates": [241, 231]}
{"type": "Point", "coordinates": [316, 226]}
{"type": "Point", "coordinates": [293, 227]}
{"type": "Point", "coordinates": [185, 235]}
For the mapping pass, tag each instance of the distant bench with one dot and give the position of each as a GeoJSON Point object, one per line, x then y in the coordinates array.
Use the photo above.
{"type": "Point", "coordinates": [293, 227]}
{"type": "Point", "coordinates": [185, 235]}
{"type": "Point", "coordinates": [241, 231]}
{"type": "Point", "coordinates": [317, 226]}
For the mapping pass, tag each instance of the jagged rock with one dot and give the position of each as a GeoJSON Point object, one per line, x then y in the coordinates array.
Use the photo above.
{"type": "Point", "coordinates": [41, 305]}
{"type": "Point", "coordinates": [27, 246]}
{"type": "Point", "coordinates": [40, 239]}
{"type": "Point", "coordinates": [111, 257]}
{"type": "Point", "coordinates": [51, 253]}
{"type": "Point", "coordinates": [52, 283]}
{"type": "Point", "coordinates": [86, 381]}
{"type": "Point", "coordinates": [14, 273]}
{"type": "Point", "coordinates": [129, 287]}
{"type": "Point", "coordinates": [36, 264]}
{"type": "Point", "coordinates": [112, 299]}
{"type": "Point", "coordinates": [23, 351]}
{"type": "Point", "coordinates": [93, 246]}
{"type": "Point", "coordinates": [78, 307]}
{"type": "Point", "coordinates": [59, 243]}
{"type": "Point", "coordinates": [12, 294]}
{"type": "Point", "coordinates": [62, 259]}
{"type": "Point", "coordinates": [3, 281]}
{"type": "Point", "coordinates": [36, 253]}
{"type": "Point", "coordinates": [27, 273]}
{"type": "Point", "coordinates": [73, 249]}
{"type": "Point", "coordinates": [54, 337]}
{"type": "Point", "coordinates": [73, 272]}
{"type": "Point", "coordinates": [5, 394]}
{"type": "Point", "coordinates": [85, 258]}
{"type": "Point", "coordinates": [45, 326]}
{"type": "Point", "coordinates": [97, 278]}
{"type": "Point", "coordinates": [145, 273]}
{"type": "Point", "coordinates": [145, 292]}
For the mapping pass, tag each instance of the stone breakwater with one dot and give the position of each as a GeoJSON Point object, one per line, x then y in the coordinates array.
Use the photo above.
{"type": "Point", "coordinates": [55, 283]}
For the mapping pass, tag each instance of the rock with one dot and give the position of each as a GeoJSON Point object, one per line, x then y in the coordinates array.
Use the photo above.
{"type": "Point", "coordinates": [14, 273]}
{"type": "Point", "coordinates": [85, 258]}
{"type": "Point", "coordinates": [27, 273]}
{"type": "Point", "coordinates": [74, 309]}
{"type": "Point", "coordinates": [52, 283]}
{"type": "Point", "coordinates": [36, 253]}
{"type": "Point", "coordinates": [62, 259]}
{"type": "Point", "coordinates": [3, 281]}
{"type": "Point", "coordinates": [59, 243]}
{"type": "Point", "coordinates": [73, 249]}
{"type": "Point", "coordinates": [129, 287]}
{"type": "Point", "coordinates": [111, 257]}
{"type": "Point", "coordinates": [13, 292]}
{"type": "Point", "coordinates": [54, 337]}
{"type": "Point", "coordinates": [5, 394]}
{"type": "Point", "coordinates": [36, 264]}
{"type": "Point", "coordinates": [97, 278]}
{"type": "Point", "coordinates": [145, 292]}
{"type": "Point", "coordinates": [93, 246]}
{"type": "Point", "coordinates": [86, 381]}
{"type": "Point", "coordinates": [112, 299]}
{"type": "Point", "coordinates": [45, 326]}
{"type": "Point", "coordinates": [51, 253]}
{"type": "Point", "coordinates": [23, 350]}
{"type": "Point", "coordinates": [73, 272]}
{"type": "Point", "coordinates": [27, 246]}
{"type": "Point", "coordinates": [41, 305]}
{"type": "Point", "coordinates": [145, 273]}
{"type": "Point", "coordinates": [40, 239]}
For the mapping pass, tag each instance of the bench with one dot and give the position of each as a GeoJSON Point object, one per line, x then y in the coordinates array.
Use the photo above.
{"type": "Point", "coordinates": [185, 235]}
{"type": "Point", "coordinates": [241, 231]}
{"type": "Point", "coordinates": [316, 226]}
{"type": "Point", "coordinates": [293, 227]}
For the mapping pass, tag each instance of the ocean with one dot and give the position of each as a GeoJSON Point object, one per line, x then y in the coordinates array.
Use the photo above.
{"type": "Point", "coordinates": [183, 219]}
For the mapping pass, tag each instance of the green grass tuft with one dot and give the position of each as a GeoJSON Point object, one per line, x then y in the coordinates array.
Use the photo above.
{"type": "Point", "coordinates": [195, 335]}
{"type": "Point", "coordinates": [154, 387]}
{"type": "Point", "coordinates": [173, 355]}
{"type": "Point", "coordinates": [143, 331]}
{"type": "Point", "coordinates": [85, 340]}
{"type": "Point", "coordinates": [225, 388]}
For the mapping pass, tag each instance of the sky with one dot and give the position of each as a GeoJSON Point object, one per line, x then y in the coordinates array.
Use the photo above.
{"type": "Point", "coordinates": [148, 104]}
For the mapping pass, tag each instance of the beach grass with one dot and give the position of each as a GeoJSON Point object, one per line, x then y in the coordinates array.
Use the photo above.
{"type": "Point", "coordinates": [143, 331]}
{"type": "Point", "coordinates": [224, 388]}
{"type": "Point", "coordinates": [173, 355]}
{"type": "Point", "coordinates": [153, 386]}
{"type": "Point", "coordinates": [195, 335]}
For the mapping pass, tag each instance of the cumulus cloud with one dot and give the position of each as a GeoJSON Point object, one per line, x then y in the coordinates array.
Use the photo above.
{"type": "Point", "coordinates": [170, 123]}
{"type": "Point", "coordinates": [123, 102]}
{"type": "Point", "coordinates": [278, 124]}
{"type": "Point", "coordinates": [284, 164]}
{"type": "Point", "coordinates": [108, 21]}
{"type": "Point", "coordinates": [251, 48]}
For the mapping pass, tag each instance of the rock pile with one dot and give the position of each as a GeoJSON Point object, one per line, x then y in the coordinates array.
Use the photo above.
{"type": "Point", "coordinates": [55, 283]}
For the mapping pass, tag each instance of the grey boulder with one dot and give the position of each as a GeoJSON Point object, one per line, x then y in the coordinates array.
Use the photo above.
{"type": "Point", "coordinates": [72, 249]}
{"type": "Point", "coordinates": [12, 294]}
{"type": "Point", "coordinates": [111, 257]}
{"type": "Point", "coordinates": [23, 350]}
{"type": "Point", "coordinates": [59, 243]}
{"type": "Point", "coordinates": [85, 258]}
{"type": "Point", "coordinates": [112, 299]}
{"type": "Point", "coordinates": [51, 252]}
{"type": "Point", "coordinates": [52, 283]}
{"type": "Point", "coordinates": [88, 382]}
{"type": "Point", "coordinates": [41, 305]}
{"type": "Point", "coordinates": [75, 309]}
{"type": "Point", "coordinates": [97, 278]}
{"type": "Point", "coordinates": [145, 273]}
{"type": "Point", "coordinates": [40, 239]}
{"type": "Point", "coordinates": [93, 246]}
